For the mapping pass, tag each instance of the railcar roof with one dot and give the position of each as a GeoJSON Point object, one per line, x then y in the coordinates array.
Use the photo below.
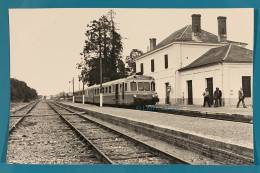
{"type": "Point", "coordinates": [133, 77]}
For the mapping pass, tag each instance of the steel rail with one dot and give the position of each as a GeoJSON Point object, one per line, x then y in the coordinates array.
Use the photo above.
{"type": "Point", "coordinates": [99, 154]}
{"type": "Point", "coordinates": [22, 107]}
{"type": "Point", "coordinates": [20, 119]}
{"type": "Point", "coordinates": [136, 141]}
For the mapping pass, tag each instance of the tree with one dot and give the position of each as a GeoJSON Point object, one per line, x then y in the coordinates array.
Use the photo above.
{"type": "Point", "coordinates": [21, 92]}
{"type": "Point", "coordinates": [103, 42]}
{"type": "Point", "coordinates": [130, 60]}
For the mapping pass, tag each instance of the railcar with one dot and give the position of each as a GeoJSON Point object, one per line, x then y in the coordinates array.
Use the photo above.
{"type": "Point", "coordinates": [133, 90]}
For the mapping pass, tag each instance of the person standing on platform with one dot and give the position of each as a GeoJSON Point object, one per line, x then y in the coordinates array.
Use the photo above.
{"type": "Point", "coordinates": [216, 97]}
{"type": "Point", "coordinates": [220, 97]}
{"type": "Point", "coordinates": [241, 97]}
{"type": "Point", "coordinates": [206, 97]}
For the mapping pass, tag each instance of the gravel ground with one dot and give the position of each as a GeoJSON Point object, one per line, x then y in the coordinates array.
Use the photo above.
{"type": "Point", "coordinates": [118, 149]}
{"type": "Point", "coordinates": [225, 131]}
{"type": "Point", "coordinates": [43, 138]}
{"type": "Point", "coordinates": [17, 105]}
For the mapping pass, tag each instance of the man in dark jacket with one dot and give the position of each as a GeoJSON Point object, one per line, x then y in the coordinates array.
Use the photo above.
{"type": "Point", "coordinates": [217, 95]}
{"type": "Point", "coordinates": [220, 98]}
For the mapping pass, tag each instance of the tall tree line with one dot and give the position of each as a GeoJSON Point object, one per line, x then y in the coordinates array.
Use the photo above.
{"type": "Point", "coordinates": [21, 92]}
{"type": "Point", "coordinates": [102, 42]}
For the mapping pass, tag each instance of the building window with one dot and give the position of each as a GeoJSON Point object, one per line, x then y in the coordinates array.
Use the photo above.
{"type": "Point", "coordinates": [223, 31]}
{"type": "Point", "coordinates": [246, 84]}
{"type": "Point", "coordinates": [166, 61]}
{"type": "Point", "coordinates": [106, 89]}
{"type": "Point", "coordinates": [152, 65]}
{"type": "Point", "coordinates": [142, 68]}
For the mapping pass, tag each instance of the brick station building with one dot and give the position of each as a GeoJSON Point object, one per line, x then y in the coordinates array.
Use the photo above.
{"type": "Point", "coordinates": [191, 59]}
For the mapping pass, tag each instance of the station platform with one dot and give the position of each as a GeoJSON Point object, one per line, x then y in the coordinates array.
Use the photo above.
{"type": "Point", "coordinates": [230, 113]}
{"type": "Point", "coordinates": [227, 135]}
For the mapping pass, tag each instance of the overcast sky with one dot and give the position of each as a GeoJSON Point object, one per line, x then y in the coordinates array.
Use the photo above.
{"type": "Point", "coordinates": [46, 43]}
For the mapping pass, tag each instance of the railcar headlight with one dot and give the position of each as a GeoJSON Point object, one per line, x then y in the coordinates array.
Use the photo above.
{"type": "Point", "coordinates": [155, 95]}
{"type": "Point", "coordinates": [134, 95]}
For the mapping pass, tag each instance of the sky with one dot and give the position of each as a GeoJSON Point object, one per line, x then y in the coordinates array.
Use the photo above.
{"type": "Point", "coordinates": [45, 44]}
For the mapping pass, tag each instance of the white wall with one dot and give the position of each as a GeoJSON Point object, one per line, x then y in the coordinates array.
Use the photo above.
{"type": "Point", "coordinates": [177, 58]}
{"type": "Point", "coordinates": [229, 83]}
{"type": "Point", "coordinates": [233, 73]}
{"type": "Point", "coordinates": [199, 83]}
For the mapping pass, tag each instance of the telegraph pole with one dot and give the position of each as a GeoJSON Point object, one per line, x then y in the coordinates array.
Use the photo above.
{"type": "Point", "coordinates": [100, 58]}
{"type": "Point", "coordinates": [73, 99]}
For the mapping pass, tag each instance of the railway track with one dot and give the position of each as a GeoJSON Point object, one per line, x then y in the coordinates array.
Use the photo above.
{"type": "Point", "coordinates": [43, 138]}
{"type": "Point", "coordinates": [110, 146]}
{"type": "Point", "coordinates": [17, 116]}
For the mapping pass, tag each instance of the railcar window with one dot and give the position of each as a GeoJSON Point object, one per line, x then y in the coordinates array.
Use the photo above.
{"type": "Point", "coordinates": [146, 86]}
{"type": "Point", "coordinates": [143, 86]}
{"type": "Point", "coordinates": [109, 89]}
{"type": "Point", "coordinates": [114, 88]}
{"type": "Point", "coordinates": [152, 86]}
{"type": "Point", "coordinates": [133, 86]}
{"type": "Point", "coordinates": [140, 86]}
{"type": "Point", "coordinates": [125, 86]}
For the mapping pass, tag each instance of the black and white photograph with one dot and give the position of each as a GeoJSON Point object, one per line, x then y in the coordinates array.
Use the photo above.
{"type": "Point", "coordinates": [131, 86]}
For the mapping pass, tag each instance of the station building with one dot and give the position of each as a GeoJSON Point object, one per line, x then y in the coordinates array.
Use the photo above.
{"type": "Point", "coordinates": [191, 59]}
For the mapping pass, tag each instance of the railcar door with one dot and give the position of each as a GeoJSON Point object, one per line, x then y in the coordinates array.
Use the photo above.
{"type": "Point", "coordinates": [123, 91]}
{"type": "Point", "coordinates": [116, 94]}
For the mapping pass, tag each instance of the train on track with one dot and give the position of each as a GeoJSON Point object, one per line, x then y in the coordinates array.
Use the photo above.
{"type": "Point", "coordinates": [133, 90]}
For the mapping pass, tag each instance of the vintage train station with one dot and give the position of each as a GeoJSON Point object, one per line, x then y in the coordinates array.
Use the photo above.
{"type": "Point", "coordinates": [192, 59]}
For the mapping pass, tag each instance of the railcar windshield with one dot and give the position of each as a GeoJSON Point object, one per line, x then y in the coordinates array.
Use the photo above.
{"type": "Point", "coordinates": [133, 86]}
{"type": "Point", "coordinates": [143, 86]}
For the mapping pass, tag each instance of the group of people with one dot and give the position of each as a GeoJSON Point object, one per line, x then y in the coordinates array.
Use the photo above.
{"type": "Point", "coordinates": [218, 97]}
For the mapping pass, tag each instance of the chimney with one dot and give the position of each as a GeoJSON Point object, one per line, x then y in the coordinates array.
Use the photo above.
{"type": "Point", "coordinates": [222, 29]}
{"type": "Point", "coordinates": [196, 26]}
{"type": "Point", "coordinates": [152, 43]}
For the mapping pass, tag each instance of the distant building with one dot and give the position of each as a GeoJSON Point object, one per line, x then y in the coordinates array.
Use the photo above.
{"type": "Point", "coordinates": [191, 59]}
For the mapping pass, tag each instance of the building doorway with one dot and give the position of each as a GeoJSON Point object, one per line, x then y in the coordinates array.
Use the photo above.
{"type": "Point", "coordinates": [210, 89]}
{"type": "Point", "coordinates": [190, 97]}
{"type": "Point", "coordinates": [167, 88]}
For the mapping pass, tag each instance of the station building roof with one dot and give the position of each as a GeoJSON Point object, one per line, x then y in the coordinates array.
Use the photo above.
{"type": "Point", "coordinates": [228, 53]}
{"type": "Point", "coordinates": [185, 35]}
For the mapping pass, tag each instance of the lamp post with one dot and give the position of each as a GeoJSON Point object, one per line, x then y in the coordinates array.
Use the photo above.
{"type": "Point", "coordinates": [72, 89]}
{"type": "Point", "coordinates": [100, 58]}
{"type": "Point", "coordinates": [81, 77]}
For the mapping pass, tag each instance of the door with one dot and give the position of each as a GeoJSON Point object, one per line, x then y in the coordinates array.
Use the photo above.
{"type": "Point", "coordinates": [123, 91]}
{"type": "Point", "coordinates": [167, 98]}
{"type": "Point", "coordinates": [210, 88]}
{"type": "Point", "coordinates": [190, 97]}
{"type": "Point", "coordinates": [116, 94]}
